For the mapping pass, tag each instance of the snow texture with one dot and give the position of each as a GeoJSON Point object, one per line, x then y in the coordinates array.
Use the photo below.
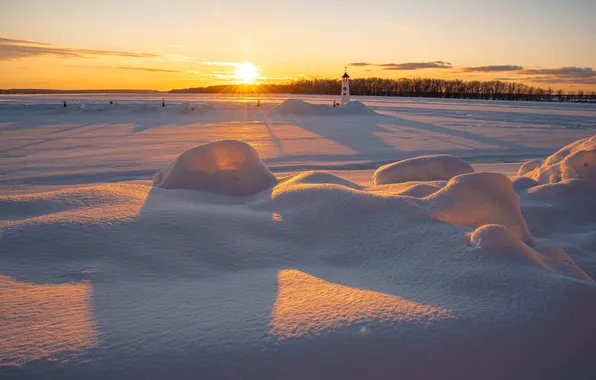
{"type": "Point", "coordinates": [425, 168]}
{"type": "Point", "coordinates": [222, 271]}
{"type": "Point", "coordinates": [576, 160]}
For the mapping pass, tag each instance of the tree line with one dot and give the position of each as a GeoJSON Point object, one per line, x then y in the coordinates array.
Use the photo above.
{"type": "Point", "coordinates": [409, 87]}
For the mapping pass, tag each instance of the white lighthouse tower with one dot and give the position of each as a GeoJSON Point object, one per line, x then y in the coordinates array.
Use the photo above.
{"type": "Point", "coordinates": [345, 87]}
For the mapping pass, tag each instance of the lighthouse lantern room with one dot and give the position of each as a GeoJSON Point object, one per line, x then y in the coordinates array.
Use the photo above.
{"type": "Point", "coordinates": [345, 87]}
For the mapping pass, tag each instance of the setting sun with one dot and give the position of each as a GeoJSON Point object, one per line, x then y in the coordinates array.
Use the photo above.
{"type": "Point", "coordinates": [247, 72]}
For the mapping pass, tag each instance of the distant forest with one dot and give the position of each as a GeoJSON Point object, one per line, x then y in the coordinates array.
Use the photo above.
{"type": "Point", "coordinates": [409, 87]}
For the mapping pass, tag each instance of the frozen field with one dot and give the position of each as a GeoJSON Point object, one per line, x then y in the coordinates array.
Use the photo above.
{"type": "Point", "coordinates": [92, 141]}
{"type": "Point", "coordinates": [290, 254]}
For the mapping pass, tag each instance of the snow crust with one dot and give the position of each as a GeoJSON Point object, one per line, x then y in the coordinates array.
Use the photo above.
{"type": "Point", "coordinates": [425, 168]}
{"type": "Point", "coordinates": [227, 167]}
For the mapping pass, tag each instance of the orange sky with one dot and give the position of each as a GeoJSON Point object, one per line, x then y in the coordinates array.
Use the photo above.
{"type": "Point", "coordinates": [67, 44]}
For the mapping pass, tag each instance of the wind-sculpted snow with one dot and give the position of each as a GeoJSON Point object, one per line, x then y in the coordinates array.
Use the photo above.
{"type": "Point", "coordinates": [498, 238]}
{"type": "Point", "coordinates": [576, 160]}
{"type": "Point", "coordinates": [227, 167]}
{"type": "Point", "coordinates": [480, 198]}
{"type": "Point", "coordinates": [425, 168]}
{"type": "Point", "coordinates": [222, 271]}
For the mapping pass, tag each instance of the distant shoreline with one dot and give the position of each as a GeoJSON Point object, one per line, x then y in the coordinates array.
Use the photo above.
{"type": "Point", "coordinates": [266, 89]}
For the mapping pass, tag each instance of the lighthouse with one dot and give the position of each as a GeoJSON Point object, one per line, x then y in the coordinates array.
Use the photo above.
{"type": "Point", "coordinates": [345, 87]}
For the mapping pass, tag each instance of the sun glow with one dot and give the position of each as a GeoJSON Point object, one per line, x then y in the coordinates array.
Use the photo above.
{"type": "Point", "coordinates": [247, 72]}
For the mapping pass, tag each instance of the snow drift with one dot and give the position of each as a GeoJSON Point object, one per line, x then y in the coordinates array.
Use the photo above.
{"type": "Point", "coordinates": [480, 198]}
{"type": "Point", "coordinates": [228, 167]}
{"type": "Point", "coordinates": [222, 270]}
{"type": "Point", "coordinates": [494, 237]}
{"type": "Point", "coordinates": [300, 107]}
{"type": "Point", "coordinates": [425, 168]}
{"type": "Point", "coordinates": [576, 160]}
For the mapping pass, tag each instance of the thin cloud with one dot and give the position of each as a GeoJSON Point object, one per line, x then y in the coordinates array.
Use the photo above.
{"type": "Point", "coordinates": [407, 66]}
{"type": "Point", "coordinates": [150, 69]}
{"type": "Point", "coordinates": [12, 41]}
{"type": "Point", "coordinates": [570, 71]}
{"type": "Point", "coordinates": [493, 68]}
{"type": "Point", "coordinates": [569, 74]}
{"type": "Point", "coordinates": [12, 49]}
{"type": "Point", "coordinates": [559, 79]}
{"type": "Point", "coordinates": [358, 64]}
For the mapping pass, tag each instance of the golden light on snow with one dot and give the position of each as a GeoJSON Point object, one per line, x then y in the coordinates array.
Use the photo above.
{"type": "Point", "coordinates": [247, 72]}
{"type": "Point", "coordinates": [308, 305]}
{"type": "Point", "coordinates": [42, 321]}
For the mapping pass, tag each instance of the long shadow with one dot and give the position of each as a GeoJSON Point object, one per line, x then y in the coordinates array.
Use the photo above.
{"type": "Point", "coordinates": [454, 132]}
{"type": "Point", "coordinates": [274, 138]}
{"type": "Point", "coordinates": [356, 132]}
{"type": "Point", "coordinates": [496, 116]}
{"type": "Point", "coordinates": [50, 139]}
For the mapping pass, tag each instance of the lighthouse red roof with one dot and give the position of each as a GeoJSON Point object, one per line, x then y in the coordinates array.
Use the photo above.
{"type": "Point", "coordinates": [345, 76]}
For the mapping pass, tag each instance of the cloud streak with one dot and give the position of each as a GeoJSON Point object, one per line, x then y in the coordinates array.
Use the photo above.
{"type": "Point", "coordinates": [12, 49]}
{"type": "Point", "coordinates": [569, 74]}
{"type": "Point", "coordinates": [492, 68]}
{"type": "Point", "coordinates": [150, 69]}
{"type": "Point", "coordinates": [407, 66]}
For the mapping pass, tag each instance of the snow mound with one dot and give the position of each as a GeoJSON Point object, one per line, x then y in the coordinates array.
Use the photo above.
{"type": "Point", "coordinates": [497, 237]}
{"type": "Point", "coordinates": [300, 107]}
{"type": "Point", "coordinates": [524, 183]}
{"type": "Point", "coordinates": [494, 237]}
{"type": "Point", "coordinates": [227, 167]}
{"type": "Point", "coordinates": [476, 199]}
{"type": "Point", "coordinates": [576, 160]}
{"type": "Point", "coordinates": [528, 166]}
{"type": "Point", "coordinates": [424, 168]}
{"type": "Point", "coordinates": [355, 107]}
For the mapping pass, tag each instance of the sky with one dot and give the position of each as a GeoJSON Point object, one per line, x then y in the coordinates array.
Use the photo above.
{"type": "Point", "coordinates": [167, 44]}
